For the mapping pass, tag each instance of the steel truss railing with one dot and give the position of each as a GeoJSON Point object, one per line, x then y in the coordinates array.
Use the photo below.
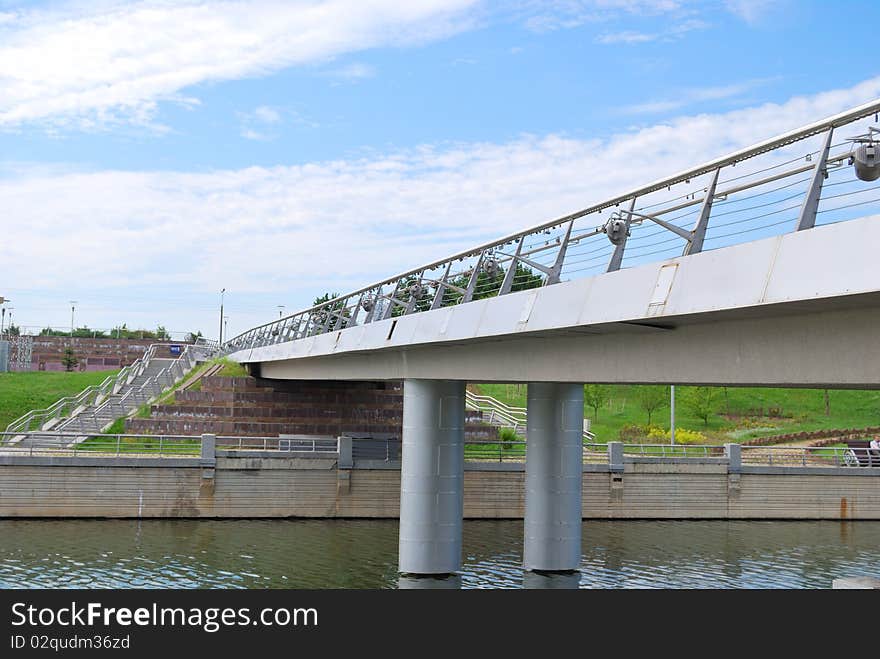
{"type": "Point", "coordinates": [777, 185]}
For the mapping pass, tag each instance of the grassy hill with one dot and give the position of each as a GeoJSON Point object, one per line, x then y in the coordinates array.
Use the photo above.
{"type": "Point", "coordinates": [21, 392]}
{"type": "Point", "coordinates": [738, 413]}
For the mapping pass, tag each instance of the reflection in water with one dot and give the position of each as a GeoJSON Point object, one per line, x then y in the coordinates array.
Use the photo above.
{"type": "Point", "coordinates": [363, 554]}
{"type": "Point", "coordinates": [447, 582]}
{"type": "Point", "coordinates": [555, 581]}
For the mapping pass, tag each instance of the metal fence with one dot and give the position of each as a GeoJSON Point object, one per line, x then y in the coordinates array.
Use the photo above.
{"type": "Point", "coordinates": [388, 449]}
{"type": "Point", "coordinates": [809, 456]}
{"type": "Point", "coordinates": [790, 183]}
{"type": "Point", "coordinates": [299, 444]}
{"type": "Point", "coordinates": [125, 445]}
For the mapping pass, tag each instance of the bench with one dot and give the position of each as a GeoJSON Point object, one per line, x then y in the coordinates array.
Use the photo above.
{"type": "Point", "coordinates": [859, 454]}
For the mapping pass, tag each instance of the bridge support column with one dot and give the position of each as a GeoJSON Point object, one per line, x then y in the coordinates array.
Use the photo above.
{"type": "Point", "coordinates": [554, 477]}
{"type": "Point", "coordinates": [431, 477]}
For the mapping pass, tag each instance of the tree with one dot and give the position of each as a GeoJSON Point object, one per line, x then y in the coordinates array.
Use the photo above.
{"type": "Point", "coordinates": [85, 333]}
{"type": "Point", "coordinates": [13, 330]}
{"type": "Point", "coordinates": [489, 282]}
{"type": "Point", "coordinates": [700, 401]}
{"type": "Point", "coordinates": [69, 360]}
{"type": "Point", "coordinates": [162, 334]}
{"type": "Point", "coordinates": [319, 318]}
{"type": "Point", "coordinates": [192, 337]}
{"type": "Point", "coordinates": [412, 289]}
{"type": "Point", "coordinates": [652, 398]}
{"type": "Point", "coordinates": [595, 396]}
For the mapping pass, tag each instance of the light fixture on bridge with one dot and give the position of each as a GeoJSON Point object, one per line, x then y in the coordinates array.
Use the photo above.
{"type": "Point", "coordinates": [491, 267]}
{"type": "Point", "coordinates": [616, 229]}
{"type": "Point", "coordinates": [367, 304]}
{"type": "Point", "coordinates": [866, 157]}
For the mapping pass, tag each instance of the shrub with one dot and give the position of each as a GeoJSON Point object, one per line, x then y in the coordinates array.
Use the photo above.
{"type": "Point", "coordinates": [685, 436]}
{"type": "Point", "coordinates": [508, 435]}
{"type": "Point", "coordinates": [631, 432]}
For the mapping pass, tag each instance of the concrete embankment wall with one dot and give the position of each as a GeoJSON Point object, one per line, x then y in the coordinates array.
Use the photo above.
{"type": "Point", "coordinates": [314, 487]}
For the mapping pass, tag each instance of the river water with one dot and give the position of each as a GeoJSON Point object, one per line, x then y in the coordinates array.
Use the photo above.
{"type": "Point", "coordinates": [363, 554]}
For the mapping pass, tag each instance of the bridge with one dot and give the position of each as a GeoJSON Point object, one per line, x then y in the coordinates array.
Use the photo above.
{"type": "Point", "coordinates": [757, 268]}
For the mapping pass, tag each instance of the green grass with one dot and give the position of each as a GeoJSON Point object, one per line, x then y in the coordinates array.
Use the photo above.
{"type": "Point", "coordinates": [117, 428]}
{"type": "Point", "coordinates": [830, 451]}
{"type": "Point", "coordinates": [795, 410]}
{"type": "Point", "coordinates": [22, 392]}
{"type": "Point", "coordinates": [230, 368]}
{"type": "Point", "coordinates": [143, 445]}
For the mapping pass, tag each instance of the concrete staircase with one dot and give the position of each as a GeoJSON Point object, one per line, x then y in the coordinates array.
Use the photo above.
{"type": "Point", "coordinates": [74, 419]}
{"type": "Point", "coordinates": [94, 419]}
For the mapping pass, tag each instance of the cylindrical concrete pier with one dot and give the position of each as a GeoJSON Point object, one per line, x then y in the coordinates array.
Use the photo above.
{"type": "Point", "coordinates": [554, 476]}
{"type": "Point", "coordinates": [431, 477]}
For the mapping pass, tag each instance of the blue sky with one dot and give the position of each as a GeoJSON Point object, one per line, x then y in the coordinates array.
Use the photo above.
{"type": "Point", "coordinates": [152, 153]}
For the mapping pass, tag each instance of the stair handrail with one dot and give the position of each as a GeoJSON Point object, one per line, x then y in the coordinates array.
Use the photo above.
{"type": "Point", "coordinates": [510, 416]}
{"type": "Point", "coordinates": [70, 406]}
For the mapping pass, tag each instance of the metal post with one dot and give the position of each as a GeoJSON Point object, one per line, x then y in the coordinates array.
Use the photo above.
{"type": "Point", "coordinates": [222, 292]}
{"type": "Point", "coordinates": [672, 413]}
{"type": "Point", "coordinates": [807, 219]}
{"type": "Point", "coordinates": [617, 256]}
{"type": "Point", "coordinates": [695, 246]}
{"type": "Point", "coordinates": [554, 476]}
{"type": "Point", "coordinates": [432, 477]}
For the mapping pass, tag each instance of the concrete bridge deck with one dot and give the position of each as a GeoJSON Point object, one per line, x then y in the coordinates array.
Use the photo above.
{"type": "Point", "coordinates": [800, 309]}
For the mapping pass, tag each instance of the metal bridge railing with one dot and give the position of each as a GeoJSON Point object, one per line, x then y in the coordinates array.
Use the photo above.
{"type": "Point", "coordinates": [789, 183]}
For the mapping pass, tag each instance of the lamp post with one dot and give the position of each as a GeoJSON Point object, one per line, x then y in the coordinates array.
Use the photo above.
{"type": "Point", "coordinates": [3, 302]}
{"type": "Point", "coordinates": [222, 292]}
{"type": "Point", "coordinates": [226, 325]}
{"type": "Point", "coordinates": [280, 310]}
{"type": "Point", "coordinates": [72, 309]}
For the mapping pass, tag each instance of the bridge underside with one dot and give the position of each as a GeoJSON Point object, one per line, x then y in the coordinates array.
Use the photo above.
{"type": "Point", "coordinates": [797, 310]}
{"type": "Point", "coordinates": [834, 348]}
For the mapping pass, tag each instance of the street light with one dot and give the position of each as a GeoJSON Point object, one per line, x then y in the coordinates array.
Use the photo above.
{"type": "Point", "coordinates": [3, 302]}
{"type": "Point", "coordinates": [280, 310]}
{"type": "Point", "coordinates": [222, 292]}
{"type": "Point", "coordinates": [72, 309]}
{"type": "Point", "coordinates": [226, 325]}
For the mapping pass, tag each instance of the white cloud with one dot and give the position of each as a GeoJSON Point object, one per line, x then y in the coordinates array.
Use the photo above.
{"type": "Point", "coordinates": [264, 122]}
{"type": "Point", "coordinates": [352, 72]}
{"type": "Point", "coordinates": [687, 97]}
{"type": "Point", "coordinates": [543, 16]}
{"type": "Point", "coordinates": [285, 234]}
{"type": "Point", "coordinates": [112, 62]}
{"type": "Point", "coordinates": [752, 11]}
{"type": "Point", "coordinates": [669, 34]}
{"type": "Point", "coordinates": [267, 115]}
{"type": "Point", "coordinates": [627, 36]}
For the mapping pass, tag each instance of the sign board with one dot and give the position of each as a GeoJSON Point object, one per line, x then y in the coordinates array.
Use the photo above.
{"type": "Point", "coordinates": [175, 349]}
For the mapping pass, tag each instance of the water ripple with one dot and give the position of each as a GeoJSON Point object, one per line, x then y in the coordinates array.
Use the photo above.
{"type": "Point", "coordinates": [363, 554]}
